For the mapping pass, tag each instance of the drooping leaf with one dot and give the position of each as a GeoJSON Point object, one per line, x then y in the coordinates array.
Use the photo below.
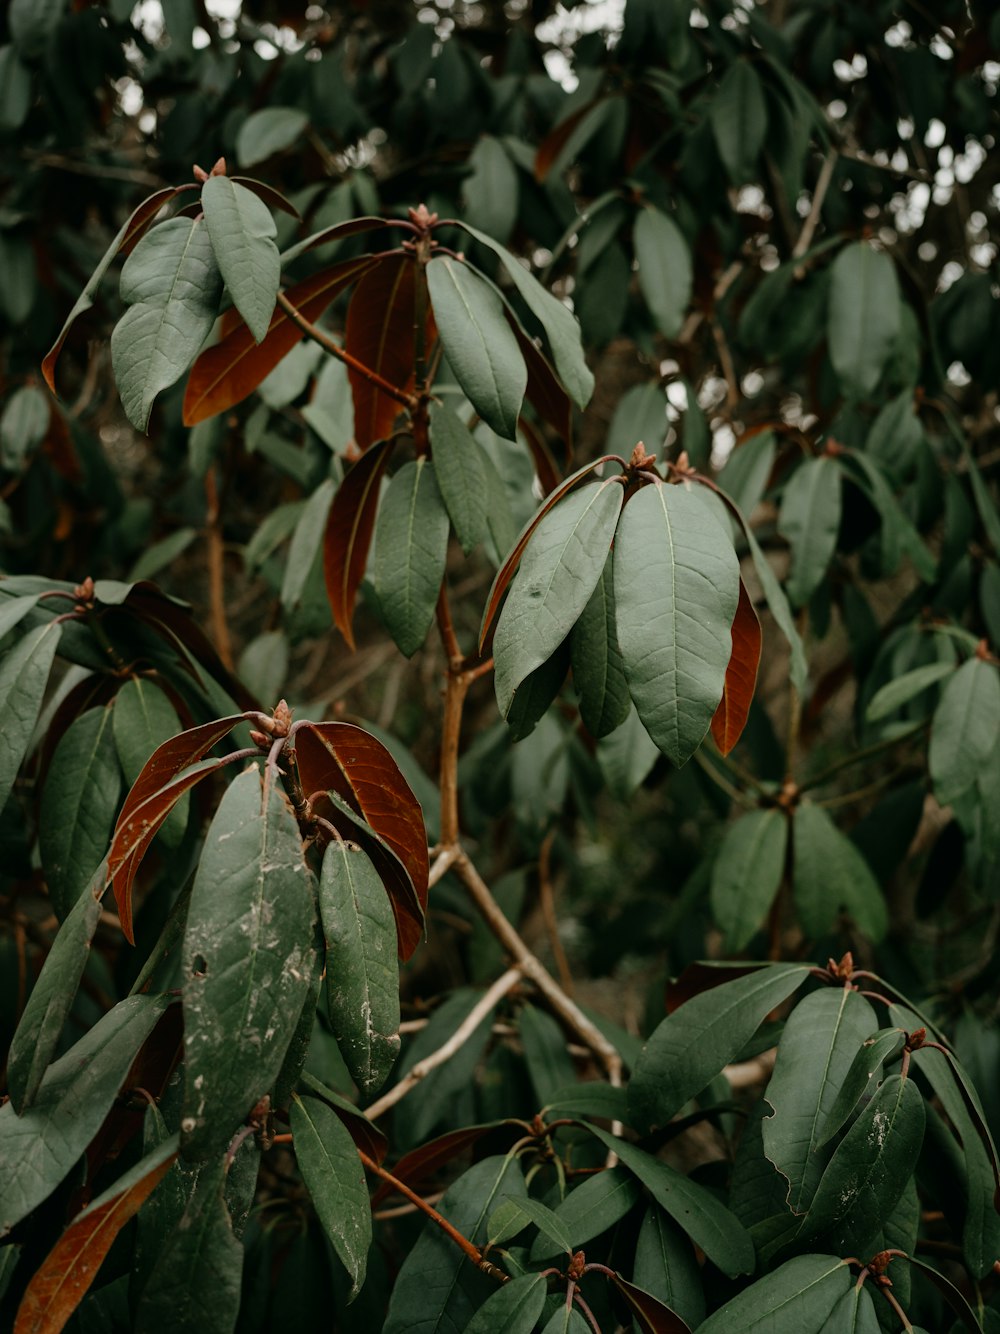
{"type": "Point", "coordinates": [809, 519]}
{"type": "Point", "coordinates": [478, 342]}
{"type": "Point", "coordinates": [129, 234]}
{"type": "Point", "coordinates": [411, 549]}
{"type": "Point", "coordinates": [864, 317]}
{"type": "Point", "coordinates": [437, 1288]}
{"type": "Point", "coordinates": [830, 876]}
{"type": "Point", "coordinates": [650, 1314]}
{"type": "Point", "coordinates": [562, 564]}
{"type": "Point", "coordinates": [590, 1209]}
{"type": "Point", "coordinates": [560, 327]}
{"type": "Point", "coordinates": [746, 472]}
{"type": "Point", "coordinates": [365, 1134]}
{"type": "Point", "coordinates": [513, 1308]}
{"type": "Point", "coordinates": [689, 1048]}
{"type": "Point", "coordinates": [203, 1248]}
{"type": "Point", "coordinates": [171, 284]}
{"type": "Point", "coordinates": [247, 960]}
{"type": "Point", "coordinates": [24, 424]}
{"type": "Point", "coordinates": [965, 729]}
{"type": "Point", "coordinates": [544, 391]}
{"type": "Point", "coordinates": [24, 673]}
{"type": "Point", "coordinates": [79, 801]}
{"type": "Point", "coordinates": [362, 976]}
{"type": "Point", "coordinates": [873, 1162]}
{"type": "Point", "coordinates": [380, 334]}
{"type": "Point", "coordinates": [349, 529]}
{"type": "Point", "coordinates": [268, 131]}
{"type": "Point", "coordinates": [741, 675]}
{"type": "Point", "coordinates": [461, 475]}
{"type": "Point", "coordinates": [738, 116]}
{"type": "Point", "coordinates": [676, 580]}
{"type": "Point", "coordinates": [778, 605]}
{"type": "Point", "coordinates": [307, 539]}
{"type": "Point", "coordinates": [536, 693]}
{"type": "Point", "coordinates": [665, 269]}
{"type": "Point", "coordinates": [899, 691]}
{"type": "Point", "coordinates": [52, 996]}
{"type": "Point", "coordinates": [42, 1146]}
{"type": "Point", "coordinates": [598, 672]}
{"type": "Point", "coordinates": [747, 873]}
{"type": "Point", "coordinates": [349, 761]}
{"type": "Point", "coordinates": [13, 611]}
{"type": "Point", "coordinates": [513, 1216]}
{"type": "Point", "coordinates": [665, 1265]}
{"type": "Point", "coordinates": [795, 1299]}
{"type": "Point", "coordinates": [704, 1218]}
{"type": "Point", "coordinates": [952, 1295]}
{"type": "Point", "coordinates": [242, 233]}
{"type": "Point", "coordinates": [818, 1043]}
{"type": "Point", "coordinates": [232, 368]}
{"type": "Point", "coordinates": [335, 1179]}
{"type": "Point", "coordinates": [490, 190]}
{"type": "Point", "coordinates": [58, 1286]}
{"type": "Point", "coordinates": [866, 1065]}
{"type": "Point", "coordinates": [627, 756]}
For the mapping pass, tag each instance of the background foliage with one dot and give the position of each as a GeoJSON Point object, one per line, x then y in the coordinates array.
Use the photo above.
{"type": "Point", "coordinates": [775, 225]}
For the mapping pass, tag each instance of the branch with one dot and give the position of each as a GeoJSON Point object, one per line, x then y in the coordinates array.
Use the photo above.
{"type": "Point", "coordinates": [447, 1050]}
{"type": "Point", "coordinates": [329, 345]}
{"type": "Point", "coordinates": [819, 195]}
{"type": "Point", "coordinates": [216, 572]}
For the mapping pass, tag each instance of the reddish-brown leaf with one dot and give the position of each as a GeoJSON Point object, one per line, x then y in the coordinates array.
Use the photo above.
{"type": "Point", "coordinates": [545, 464]}
{"type": "Point", "coordinates": [379, 333]}
{"type": "Point", "coordinates": [233, 368]}
{"type": "Point", "coordinates": [741, 676]}
{"type": "Point", "coordinates": [651, 1316]}
{"type": "Point", "coordinates": [130, 234]}
{"type": "Point", "coordinates": [544, 392]}
{"type": "Point", "coordinates": [338, 231]}
{"type": "Point", "coordinates": [71, 1266]}
{"type": "Point", "coordinates": [349, 529]}
{"type": "Point", "coordinates": [506, 571]}
{"type": "Point", "coordinates": [347, 760]}
{"type": "Point", "coordinates": [366, 1134]}
{"type": "Point", "coordinates": [419, 1163]}
{"type": "Point", "coordinates": [267, 193]}
{"type": "Point", "coordinates": [150, 801]}
{"type": "Point", "coordinates": [699, 977]}
{"type": "Point", "coordinates": [553, 144]}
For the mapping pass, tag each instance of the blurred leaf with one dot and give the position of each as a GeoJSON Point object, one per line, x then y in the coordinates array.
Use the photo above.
{"type": "Point", "coordinates": [665, 270]}
{"type": "Point", "coordinates": [24, 673]}
{"type": "Point", "coordinates": [965, 729]}
{"type": "Point", "coordinates": [24, 424]}
{"type": "Point", "coordinates": [808, 520]}
{"type": "Point", "coordinates": [627, 756]}
{"type": "Point", "coordinates": [747, 873]}
{"type": "Point", "coordinates": [305, 546]}
{"type": "Point", "coordinates": [830, 876]}
{"type": "Point", "coordinates": [267, 132]}
{"type": "Point", "coordinates": [864, 317]}
{"type": "Point", "coordinates": [490, 191]}
{"type": "Point", "coordinates": [894, 694]}
{"type": "Point", "coordinates": [738, 116]}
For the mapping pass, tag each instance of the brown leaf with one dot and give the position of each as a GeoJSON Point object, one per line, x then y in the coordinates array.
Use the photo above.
{"type": "Point", "coordinates": [554, 143]}
{"type": "Point", "coordinates": [544, 392]}
{"type": "Point", "coordinates": [379, 333]}
{"type": "Point", "coordinates": [741, 676]}
{"type": "Point", "coordinates": [71, 1266]}
{"type": "Point", "coordinates": [545, 464]}
{"type": "Point", "coordinates": [699, 977]}
{"type": "Point", "coordinates": [267, 193]}
{"type": "Point", "coordinates": [347, 760]}
{"type": "Point", "coordinates": [153, 796]}
{"type": "Point", "coordinates": [349, 528]}
{"type": "Point", "coordinates": [651, 1316]}
{"type": "Point", "coordinates": [233, 368]}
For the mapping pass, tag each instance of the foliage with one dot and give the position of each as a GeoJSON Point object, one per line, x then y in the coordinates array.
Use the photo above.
{"type": "Point", "coordinates": [681, 331]}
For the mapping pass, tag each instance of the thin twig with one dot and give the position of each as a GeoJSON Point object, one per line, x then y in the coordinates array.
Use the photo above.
{"type": "Point", "coordinates": [216, 572]}
{"type": "Point", "coordinates": [447, 1050]}
{"type": "Point", "coordinates": [442, 863]}
{"type": "Point", "coordinates": [812, 221]}
{"type": "Point", "coordinates": [455, 689]}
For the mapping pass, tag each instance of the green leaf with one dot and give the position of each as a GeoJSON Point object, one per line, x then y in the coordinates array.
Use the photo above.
{"type": "Point", "coordinates": [900, 691]}
{"type": "Point", "coordinates": [566, 1320]}
{"type": "Point", "coordinates": [32, 23]}
{"type": "Point", "coordinates": [204, 1250]}
{"type": "Point", "coordinates": [24, 674]}
{"type": "Point", "coordinates": [965, 729]}
{"type": "Point", "coordinates": [490, 190]}
{"type": "Point", "coordinates": [550, 1067]}
{"type": "Point", "coordinates": [830, 876]}
{"type": "Point", "coordinates": [747, 872]}
{"type": "Point", "coordinates": [535, 694]}
{"type": "Point", "coordinates": [873, 1162]}
{"type": "Point", "coordinates": [591, 1098]}
{"type": "Point", "coordinates": [52, 996]}
{"type": "Point", "coordinates": [247, 960]}
{"type": "Point", "coordinates": [866, 1066]}
{"type": "Point", "coordinates": [689, 1048]}
{"type": "Point", "coordinates": [163, 554]}
{"type": "Point", "coordinates": [269, 131]}
{"type": "Point", "coordinates": [242, 232]}
{"type": "Point", "coordinates": [559, 570]}
{"type": "Point", "coordinates": [676, 580]}
{"type": "Point", "coordinates": [79, 804]}
{"type": "Point", "coordinates": [778, 605]}
{"type": "Point", "coordinates": [362, 972]}
{"type": "Point", "coordinates": [640, 414]}
{"type": "Point", "coordinates": [513, 1216]}
{"type": "Point", "coordinates": [411, 547]}
{"type": "Point", "coordinates": [795, 1299]}
{"type": "Point", "coordinates": [738, 116]}
{"type": "Point", "coordinates": [698, 1211]}
{"type": "Point", "coordinates": [437, 1289]}
{"type": "Point", "coordinates": [478, 342]}
{"type": "Point", "coordinates": [13, 611]}
{"type": "Point", "coordinates": [23, 425]}
{"type": "Point", "coordinates": [15, 96]}
{"type": "Point", "coordinates": [334, 1177]}
{"type": "Point", "coordinates": [560, 326]}
{"type": "Point", "coordinates": [598, 672]}
{"type": "Point", "coordinates": [171, 284]}
{"type": "Point", "coordinates": [809, 520]}
{"type": "Point", "coordinates": [627, 756]}
{"type": "Point", "coordinates": [665, 1265]}
{"type": "Point", "coordinates": [460, 469]}
{"type": "Point", "coordinates": [593, 1207]}
{"type": "Point", "coordinates": [306, 545]}
{"type": "Point", "coordinates": [41, 1147]}
{"type": "Point", "coordinates": [864, 317]}
{"type": "Point", "coordinates": [746, 472]}
{"type": "Point", "coordinates": [820, 1040]}
{"type": "Point", "coordinates": [665, 269]}
{"type": "Point", "coordinates": [512, 1309]}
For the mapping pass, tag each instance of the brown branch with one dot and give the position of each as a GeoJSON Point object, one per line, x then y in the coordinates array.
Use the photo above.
{"type": "Point", "coordinates": [216, 572]}
{"type": "Point", "coordinates": [447, 1050]}
{"type": "Point", "coordinates": [455, 689]}
{"type": "Point", "coordinates": [329, 345]}
{"type": "Point", "coordinates": [812, 221]}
